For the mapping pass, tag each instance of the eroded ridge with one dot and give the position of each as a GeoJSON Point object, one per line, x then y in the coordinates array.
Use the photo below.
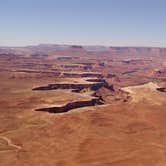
{"type": "Point", "coordinates": [98, 83]}
{"type": "Point", "coordinates": [73, 105]}
{"type": "Point", "coordinates": [77, 88]}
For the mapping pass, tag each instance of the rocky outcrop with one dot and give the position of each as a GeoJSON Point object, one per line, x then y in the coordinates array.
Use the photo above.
{"type": "Point", "coordinates": [136, 61]}
{"type": "Point", "coordinates": [39, 56]}
{"type": "Point", "coordinates": [68, 86]}
{"type": "Point", "coordinates": [95, 80]}
{"type": "Point", "coordinates": [130, 72]}
{"type": "Point", "coordinates": [70, 66]}
{"type": "Point", "coordinates": [64, 58]}
{"type": "Point", "coordinates": [91, 75]}
{"type": "Point", "coordinates": [68, 74]}
{"type": "Point", "coordinates": [161, 89]}
{"type": "Point", "coordinates": [162, 71]}
{"type": "Point", "coordinates": [73, 105]}
{"type": "Point", "coordinates": [79, 87]}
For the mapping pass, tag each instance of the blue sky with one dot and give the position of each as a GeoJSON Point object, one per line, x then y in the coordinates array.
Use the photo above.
{"type": "Point", "coordinates": [89, 22]}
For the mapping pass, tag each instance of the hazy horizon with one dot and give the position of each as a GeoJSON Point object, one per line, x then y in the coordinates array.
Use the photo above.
{"type": "Point", "coordinates": [84, 45]}
{"type": "Point", "coordinates": [108, 23]}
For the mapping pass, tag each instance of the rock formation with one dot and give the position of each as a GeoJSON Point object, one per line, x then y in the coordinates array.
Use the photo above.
{"type": "Point", "coordinates": [77, 88]}
{"type": "Point", "coordinates": [73, 105]}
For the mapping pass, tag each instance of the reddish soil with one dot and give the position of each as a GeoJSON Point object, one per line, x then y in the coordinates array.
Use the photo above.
{"type": "Point", "coordinates": [107, 106]}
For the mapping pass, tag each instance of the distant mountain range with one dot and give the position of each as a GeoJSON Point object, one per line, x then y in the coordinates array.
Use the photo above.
{"type": "Point", "coordinates": [51, 49]}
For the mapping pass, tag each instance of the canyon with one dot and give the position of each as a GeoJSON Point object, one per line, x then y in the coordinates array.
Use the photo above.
{"type": "Point", "coordinates": [67, 105]}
